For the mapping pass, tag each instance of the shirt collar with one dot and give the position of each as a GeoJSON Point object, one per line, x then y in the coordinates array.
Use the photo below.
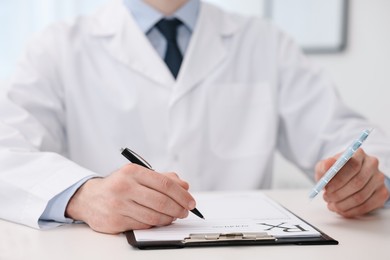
{"type": "Point", "coordinates": [146, 16]}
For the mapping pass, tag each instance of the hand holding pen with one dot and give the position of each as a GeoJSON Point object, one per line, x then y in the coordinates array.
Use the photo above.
{"type": "Point", "coordinates": [341, 161]}
{"type": "Point", "coordinates": [354, 183]}
{"type": "Point", "coordinates": [135, 158]}
{"type": "Point", "coordinates": [130, 198]}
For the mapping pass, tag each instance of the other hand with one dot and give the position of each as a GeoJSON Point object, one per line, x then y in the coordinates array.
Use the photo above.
{"type": "Point", "coordinates": [358, 188]}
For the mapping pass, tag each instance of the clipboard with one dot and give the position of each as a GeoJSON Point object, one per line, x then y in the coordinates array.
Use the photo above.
{"type": "Point", "coordinates": [245, 237]}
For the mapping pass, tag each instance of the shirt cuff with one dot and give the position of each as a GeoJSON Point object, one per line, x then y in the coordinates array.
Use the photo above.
{"type": "Point", "coordinates": [387, 183]}
{"type": "Point", "coordinates": [55, 209]}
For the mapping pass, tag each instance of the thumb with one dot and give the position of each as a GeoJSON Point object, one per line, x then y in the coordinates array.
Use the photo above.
{"type": "Point", "coordinates": [322, 166]}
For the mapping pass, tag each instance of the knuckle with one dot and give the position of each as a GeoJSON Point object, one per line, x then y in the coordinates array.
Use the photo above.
{"type": "Point", "coordinates": [115, 186]}
{"type": "Point", "coordinates": [373, 162]}
{"type": "Point", "coordinates": [133, 170]}
{"type": "Point", "coordinates": [359, 198]}
{"type": "Point", "coordinates": [129, 168]}
{"type": "Point", "coordinates": [152, 219]}
{"type": "Point", "coordinates": [162, 203]}
{"type": "Point", "coordinates": [168, 221]}
{"type": "Point", "coordinates": [358, 182]}
{"type": "Point", "coordinates": [118, 186]}
{"type": "Point", "coordinates": [333, 197]}
{"type": "Point", "coordinates": [174, 174]}
{"type": "Point", "coordinates": [360, 152]}
{"type": "Point", "coordinates": [363, 209]}
{"type": "Point", "coordinates": [117, 182]}
{"type": "Point", "coordinates": [166, 182]}
{"type": "Point", "coordinates": [355, 165]}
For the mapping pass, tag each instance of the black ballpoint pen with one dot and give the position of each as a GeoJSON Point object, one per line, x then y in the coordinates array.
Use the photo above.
{"type": "Point", "coordinates": [137, 159]}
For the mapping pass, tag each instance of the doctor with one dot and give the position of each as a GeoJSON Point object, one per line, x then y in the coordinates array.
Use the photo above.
{"type": "Point", "coordinates": [211, 99]}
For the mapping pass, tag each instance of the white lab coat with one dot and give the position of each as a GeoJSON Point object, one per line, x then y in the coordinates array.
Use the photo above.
{"type": "Point", "coordinates": [244, 90]}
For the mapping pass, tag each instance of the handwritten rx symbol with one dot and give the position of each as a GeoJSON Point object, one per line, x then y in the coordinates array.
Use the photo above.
{"type": "Point", "coordinates": [287, 229]}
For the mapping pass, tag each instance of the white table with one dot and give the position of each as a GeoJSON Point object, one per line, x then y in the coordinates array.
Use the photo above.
{"type": "Point", "coordinates": [364, 238]}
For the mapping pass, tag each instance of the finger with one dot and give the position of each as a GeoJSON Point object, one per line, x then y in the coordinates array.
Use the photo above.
{"type": "Point", "coordinates": [322, 166]}
{"type": "Point", "coordinates": [112, 208]}
{"type": "Point", "coordinates": [375, 186]}
{"type": "Point", "coordinates": [157, 202]}
{"type": "Point", "coordinates": [377, 200]}
{"type": "Point", "coordinates": [177, 179]}
{"type": "Point", "coordinates": [354, 200]}
{"type": "Point", "coordinates": [357, 183]}
{"type": "Point", "coordinates": [145, 215]}
{"type": "Point", "coordinates": [167, 186]}
{"type": "Point", "coordinates": [347, 172]}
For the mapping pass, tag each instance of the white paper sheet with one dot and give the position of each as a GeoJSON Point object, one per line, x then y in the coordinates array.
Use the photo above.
{"type": "Point", "coordinates": [231, 213]}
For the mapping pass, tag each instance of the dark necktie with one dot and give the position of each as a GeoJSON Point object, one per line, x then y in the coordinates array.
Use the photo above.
{"type": "Point", "coordinates": [173, 56]}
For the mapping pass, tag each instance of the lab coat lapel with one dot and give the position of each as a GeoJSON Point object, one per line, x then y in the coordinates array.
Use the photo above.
{"type": "Point", "coordinates": [205, 52]}
{"type": "Point", "coordinates": [128, 44]}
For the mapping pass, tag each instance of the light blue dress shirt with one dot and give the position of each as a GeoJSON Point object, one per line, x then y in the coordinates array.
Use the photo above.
{"type": "Point", "coordinates": [146, 17]}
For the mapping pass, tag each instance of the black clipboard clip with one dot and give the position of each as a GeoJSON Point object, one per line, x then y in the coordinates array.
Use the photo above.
{"type": "Point", "coordinates": [228, 237]}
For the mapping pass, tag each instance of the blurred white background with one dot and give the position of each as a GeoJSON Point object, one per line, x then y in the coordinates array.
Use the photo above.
{"type": "Point", "coordinates": [21, 19]}
{"type": "Point", "coordinates": [361, 71]}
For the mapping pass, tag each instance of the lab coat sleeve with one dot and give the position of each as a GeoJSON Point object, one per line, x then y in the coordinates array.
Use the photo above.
{"type": "Point", "coordinates": [314, 121]}
{"type": "Point", "coordinates": [33, 163]}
